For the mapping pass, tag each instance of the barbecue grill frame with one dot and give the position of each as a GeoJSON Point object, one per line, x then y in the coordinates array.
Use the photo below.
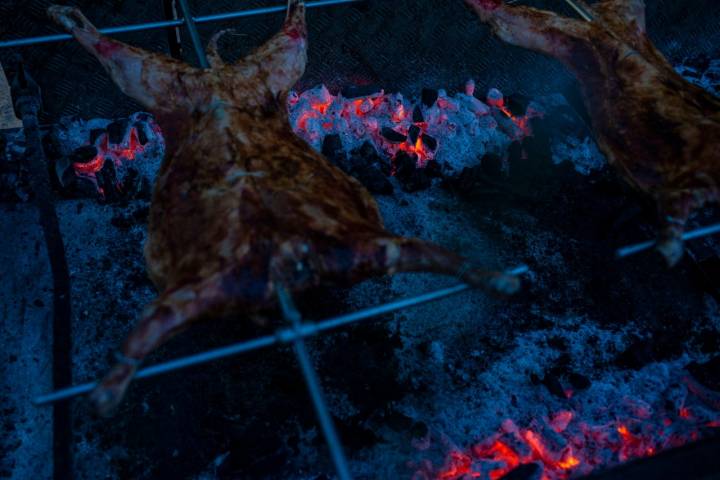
{"type": "Point", "coordinates": [298, 330]}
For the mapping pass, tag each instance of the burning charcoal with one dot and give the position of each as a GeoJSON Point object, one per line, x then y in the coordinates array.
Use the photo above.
{"type": "Point", "coordinates": [411, 178]}
{"type": "Point", "coordinates": [107, 182]}
{"type": "Point", "coordinates": [429, 97]}
{"type": "Point", "coordinates": [135, 185]}
{"type": "Point", "coordinates": [579, 381]}
{"type": "Point", "coordinates": [495, 98]}
{"type": "Point", "coordinates": [392, 136]}
{"type": "Point", "coordinates": [374, 180]}
{"type": "Point", "coordinates": [517, 104]}
{"type": "Point", "coordinates": [83, 154]}
{"type": "Point", "coordinates": [429, 142]}
{"type": "Point", "coordinates": [117, 130]}
{"type": "Point", "coordinates": [413, 134]}
{"type": "Point", "coordinates": [334, 151]}
{"type": "Point", "coordinates": [526, 471]}
{"type": "Point", "coordinates": [470, 88]}
{"type": "Point", "coordinates": [370, 169]}
{"type": "Point", "coordinates": [96, 133]}
{"type": "Point", "coordinates": [143, 117]}
{"type": "Point", "coordinates": [418, 115]}
{"type": "Point", "coordinates": [355, 91]}
{"type": "Point", "coordinates": [554, 386]}
{"type": "Point", "coordinates": [141, 134]}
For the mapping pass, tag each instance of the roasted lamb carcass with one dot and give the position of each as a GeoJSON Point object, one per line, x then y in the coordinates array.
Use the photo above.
{"type": "Point", "coordinates": [241, 204]}
{"type": "Point", "coordinates": [660, 131]}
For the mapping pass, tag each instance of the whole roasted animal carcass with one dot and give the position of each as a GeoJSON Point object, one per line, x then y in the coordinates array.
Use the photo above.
{"type": "Point", "coordinates": [242, 205]}
{"type": "Point", "coordinates": [660, 131]}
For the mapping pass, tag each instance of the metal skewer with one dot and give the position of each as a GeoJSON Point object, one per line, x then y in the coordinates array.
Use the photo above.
{"type": "Point", "coordinates": [291, 314]}
{"type": "Point", "coordinates": [580, 10]}
{"type": "Point", "coordinates": [218, 17]}
{"type": "Point", "coordinates": [282, 336]}
{"type": "Point", "coordinates": [639, 247]}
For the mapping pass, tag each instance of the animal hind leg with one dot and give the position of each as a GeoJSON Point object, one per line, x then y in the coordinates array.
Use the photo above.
{"type": "Point", "coordinates": [173, 311]}
{"type": "Point", "coordinates": [527, 27]}
{"type": "Point", "coordinates": [675, 209]}
{"type": "Point", "coordinates": [388, 254]}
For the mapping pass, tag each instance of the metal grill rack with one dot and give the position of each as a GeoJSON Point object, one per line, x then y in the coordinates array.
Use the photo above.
{"type": "Point", "coordinates": [298, 329]}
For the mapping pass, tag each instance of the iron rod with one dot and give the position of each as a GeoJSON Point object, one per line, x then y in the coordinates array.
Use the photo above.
{"type": "Point", "coordinates": [291, 314]}
{"type": "Point", "coordinates": [639, 247]}
{"type": "Point", "coordinates": [194, 35]}
{"type": "Point", "coordinates": [61, 37]}
{"type": "Point", "coordinates": [283, 335]}
{"type": "Point", "coordinates": [580, 10]}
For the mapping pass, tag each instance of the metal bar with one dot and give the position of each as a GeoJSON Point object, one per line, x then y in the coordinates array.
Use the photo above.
{"type": "Point", "coordinates": [173, 35]}
{"type": "Point", "coordinates": [284, 335]}
{"type": "Point", "coordinates": [28, 102]}
{"type": "Point", "coordinates": [639, 247]}
{"type": "Point", "coordinates": [194, 35]}
{"type": "Point", "coordinates": [580, 10]}
{"type": "Point", "coordinates": [61, 37]}
{"type": "Point", "coordinates": [291, 314]}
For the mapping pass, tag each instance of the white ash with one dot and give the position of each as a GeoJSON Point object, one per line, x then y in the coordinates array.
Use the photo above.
{"type": "Point", "coordinates": [582, 153]}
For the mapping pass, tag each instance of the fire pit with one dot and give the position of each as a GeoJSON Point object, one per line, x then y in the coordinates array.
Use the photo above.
{"type": "Point", "coordinates": [597, 364]}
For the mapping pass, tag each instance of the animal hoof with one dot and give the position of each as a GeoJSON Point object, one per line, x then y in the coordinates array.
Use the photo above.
{"type": "Point", "coordinates": [107, 396]}
{"type": "Point", "coordinates": [505, 284]}
{"type": "Point", "coordinates": [67, 17]}
{"type": "Point", "coordinates": [672, 250]}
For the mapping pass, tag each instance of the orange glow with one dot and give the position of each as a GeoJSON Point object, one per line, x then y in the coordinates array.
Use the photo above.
{"type": "Point", "coordinates": [399, 114]}
{"type": "Point", "coordinates": [93, 166]}
{"type": "Point", "coordinates": [458, 464]}
{"type": "Point", "coordinates": [322, 107]}
{"type": "Point", "coordinates": [105, 150]}
{"type": "Point", "coordinates": [585, 448]}
{"type": "Point", "coordinates": [569, 462]}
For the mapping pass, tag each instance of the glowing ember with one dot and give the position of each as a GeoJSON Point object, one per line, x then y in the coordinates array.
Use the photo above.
{"type": "Point", "coordinates": [565, 446]}
{"type": "Point", "coordinates": [127, 150]}
{"type": "Point", "coordinates": [110, 157]}
{"type": "Point", "coordinates": [468, 126]}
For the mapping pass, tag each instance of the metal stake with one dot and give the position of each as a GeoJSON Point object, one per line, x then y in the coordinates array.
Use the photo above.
{"type": "Point", "coordinates": [328, 427]}
{"type": "Point", "coordinates": [639, 247]}
{"type": "Point", "coordinates": [194, 35]}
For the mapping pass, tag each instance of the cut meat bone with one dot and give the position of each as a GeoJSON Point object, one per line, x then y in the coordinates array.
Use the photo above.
{"type": "Point", "coordinates": [241, 204]}
{"type": "Point", "coordinates": [661, 132]}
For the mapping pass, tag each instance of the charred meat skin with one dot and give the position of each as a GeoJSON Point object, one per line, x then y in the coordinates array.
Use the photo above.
{"type": "Point", "coordinates": [242, 204]}
{"type": "Point", "coordinates": [661, 132]}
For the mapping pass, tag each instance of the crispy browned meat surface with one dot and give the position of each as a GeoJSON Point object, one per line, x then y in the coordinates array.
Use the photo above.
{"type": "Point", "coordinates": [242, 204]}
{"type": "Point", "coordinates": [660, 131]}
